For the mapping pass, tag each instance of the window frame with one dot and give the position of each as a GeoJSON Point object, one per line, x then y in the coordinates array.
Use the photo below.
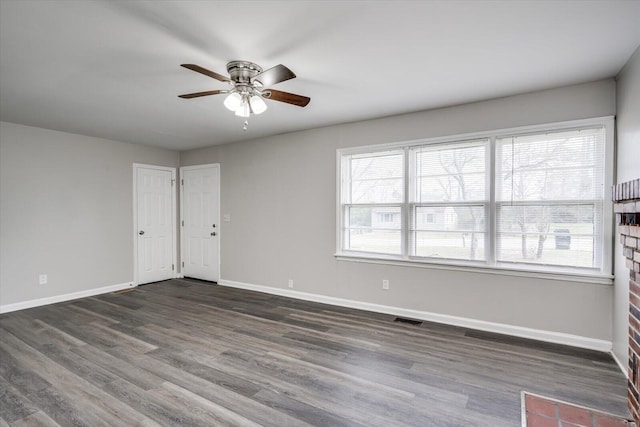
{"type": "Point", "coordinates": [490, 264]}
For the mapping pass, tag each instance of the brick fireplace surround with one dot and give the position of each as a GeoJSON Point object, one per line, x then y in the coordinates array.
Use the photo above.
{"type": "Point", "coordinates": [626, 198]}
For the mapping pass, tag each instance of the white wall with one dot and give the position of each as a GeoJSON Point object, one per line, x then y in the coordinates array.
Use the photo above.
{"type": "Point", "coordinates": [281, 195]}
{"type": "Point", "coordinates": [66, 210]}
{"type": "Point", "coordinates": [628, 160]}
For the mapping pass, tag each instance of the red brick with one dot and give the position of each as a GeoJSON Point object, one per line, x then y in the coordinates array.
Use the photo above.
{"type": "Point", "coordinates": [540, 406]}
{"type": "Point", "coordinates": [634, 323]}
{"type": "Point", "coordinates": [574, 414]}
{"type": "Point", "coordinates": [534, 420]}
{"type": "Point", "coordinates": [633, 298]}
{"type": "Point", "coordinates": [632, 404]}
{"type": "Point", "coordinates": [634, 346]}
{"type": "Point", "coordinates": [635, 288]}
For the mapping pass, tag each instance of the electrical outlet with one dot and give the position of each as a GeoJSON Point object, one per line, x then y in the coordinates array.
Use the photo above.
{"type": "Point", "coordinates": [43, 279]}
{"type": "Point", "coordinates": [385, 284]}
{"type": "Point", "coordinates": [291, 283]}
{"type": "Point", "coordinates": [226, 217]}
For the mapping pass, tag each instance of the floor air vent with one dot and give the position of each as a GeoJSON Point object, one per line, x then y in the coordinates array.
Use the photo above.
{"type": "Point", "coordinates": [409, 321]}
{"type": "Point", "coordinates": [123, 291]}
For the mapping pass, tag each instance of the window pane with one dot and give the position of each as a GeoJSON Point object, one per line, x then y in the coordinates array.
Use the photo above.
{"type": "Point", "coordinates": [553, 235]}
{"type": "Point", "coordinates": [564, 165]}
{"type": "Point", "coordinates": [377, 178]}
{"type": "Point", "coordinates": [374, 229]}
{"type": "Point", "coordinates": [452, 245]}
{"type": "Point", "coordinates": [449, 218]}
{"type": "Point", "coordinates": [455, 232]}
{"type": "Point", "coordinates": [450, 172]}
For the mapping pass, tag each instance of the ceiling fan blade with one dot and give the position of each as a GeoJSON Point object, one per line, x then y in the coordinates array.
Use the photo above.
{"type": "Point", "coordinates": [274, 75]}
{"type": "Point", "coordinates": [199, 69]}
{"type": "Point", "coordinates": [289, 98]}
{"type": "Point", "coordinates": [197, 94]}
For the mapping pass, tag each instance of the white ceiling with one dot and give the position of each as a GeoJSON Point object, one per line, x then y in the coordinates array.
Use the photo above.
{"type": "Point", "coordinates": [111, 69]}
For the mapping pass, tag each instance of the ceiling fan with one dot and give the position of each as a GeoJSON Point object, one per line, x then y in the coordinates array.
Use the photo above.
{"type": "Point", "coordinates": [250, 85]}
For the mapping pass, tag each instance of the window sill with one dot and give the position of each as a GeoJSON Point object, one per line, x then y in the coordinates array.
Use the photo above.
{"type": "Point", "coordinates": [481, 268]}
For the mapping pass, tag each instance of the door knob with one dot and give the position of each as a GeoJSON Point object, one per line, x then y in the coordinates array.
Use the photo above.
{"type": "Point", "coordinates": [141, 232]}
{"type": "Point", "coordinates": [213, 233]}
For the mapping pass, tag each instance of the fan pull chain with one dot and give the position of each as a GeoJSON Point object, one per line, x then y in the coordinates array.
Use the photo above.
{"type": "Point", "coordinates": [246, 124]}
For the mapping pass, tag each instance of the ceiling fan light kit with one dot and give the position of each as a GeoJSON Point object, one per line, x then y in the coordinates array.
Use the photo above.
{"type": "Point", "coordinates": [249, 81]}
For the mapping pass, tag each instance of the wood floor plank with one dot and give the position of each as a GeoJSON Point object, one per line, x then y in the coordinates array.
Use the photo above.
{"type": "Point", "coordinates": [207, 411]}
{"type": "Point", "coordinates": [13, 405]}
{"type": "Point", "coordinates": [38, 419]}
{"type": "Point", "coordinates": [185, 352]}
{"type": "Point", "coordinates": [117, 367]}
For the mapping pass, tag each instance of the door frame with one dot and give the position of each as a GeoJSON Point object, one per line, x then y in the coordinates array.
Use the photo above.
{"type": "Point", "coordinates": [182, 252]}
{"type": "Point", "coordinates": [174, 218]}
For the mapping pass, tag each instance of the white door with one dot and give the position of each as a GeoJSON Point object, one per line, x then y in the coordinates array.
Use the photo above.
{"type": "Point", "coordinates": [154, 224]}
{"type": "Point", "coordinates": [200, 222]}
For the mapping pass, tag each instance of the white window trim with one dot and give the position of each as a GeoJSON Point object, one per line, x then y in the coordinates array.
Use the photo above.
{"type": "Point", "coordinates": [603, 276]}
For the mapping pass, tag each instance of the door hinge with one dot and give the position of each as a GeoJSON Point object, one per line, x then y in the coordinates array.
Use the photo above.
{"type": "Point", "coordinates": [183, 263]}
{"type": "Point", "coordinates": [183, 222]}
{"type": "Point", "coordinates": [182, 181]}
{"type": "Point", "coordinates": [173, 267]}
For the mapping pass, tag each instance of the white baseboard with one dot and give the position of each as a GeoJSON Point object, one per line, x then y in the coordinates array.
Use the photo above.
{"type": "Point", "coordinates": [623, 368]}
{"type": "Point", "coordinates": [500, 328]}
{"type": "Point", "coordinates": [61, 298]}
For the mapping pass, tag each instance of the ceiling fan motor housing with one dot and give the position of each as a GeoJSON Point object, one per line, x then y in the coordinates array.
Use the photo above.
{"type": "Point", "coordinates": [243, 71]}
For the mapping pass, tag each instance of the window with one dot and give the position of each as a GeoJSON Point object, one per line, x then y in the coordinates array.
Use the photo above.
{"type": "Point", "coordinates": [373, 191]}
{"type": "Point", "coordinates": [549, 190]}
{"type": "Point", "coordinates": [448, 181]}
{"type": "Point", "coordinates": [529, 199]}
{"type": "Point", "coordinates": [385, 216]}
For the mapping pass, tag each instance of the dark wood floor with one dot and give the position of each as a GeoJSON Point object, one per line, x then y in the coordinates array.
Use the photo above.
{"type": "Point", "coordinates": [183, 353]}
